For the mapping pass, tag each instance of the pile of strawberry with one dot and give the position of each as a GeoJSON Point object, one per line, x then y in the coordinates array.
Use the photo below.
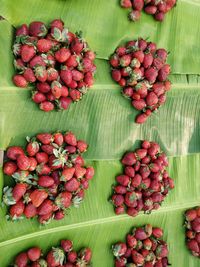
{"type": "Point", "coordinates": [145, 182]}
{"type": "Point", "coordinates": [141, 69]}
{"type": "Point", "coordinates": [192, 224]}
{"type": "Point", "coordinates": [143, 247]}
{"type": "Point", "coordinates": [49, 176]}
{"type": "Point", "coordinates": [157, 8]}
{"type": "Point", "coordinates": [63, 256]}
{"type": "Point", "coordinates": [58, 62]}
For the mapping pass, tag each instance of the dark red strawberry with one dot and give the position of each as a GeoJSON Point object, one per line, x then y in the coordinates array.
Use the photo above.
{"type": "Point", "coordinates": [44, 45]}
{"type": "Point", "coordinates": [21, 260]}
{"type": "Point", "coordinates": [29, 75]}
{"type": "Point", "coordinates": [62, 55]}
{"type": "Point", "coordinates": [55, 257]}
{"type": "Point", "coordinates": [46, 106]}
{"type": "Point", "coordinates": [52, 74]}
{"type": "Point", "coordinates": [59, 215]}
{"type": "Point", "coordinates": [22, 30]}
{"type": "Point", "coordinates": [37, 29]}
{"type": "Point", "coordinates": [138, 4]}
{"type": "Point", "coordinates": [66, 75]}
{"type": "Point", "coordinates": [23, 162]}
{"type": "Point", "coordinates": [129, 159]}
{"type": "Point", "coordinates": [72, 256]}
{"type": "Point", "coordinates": [14, 151]}
{"type": "Point", "coordinates": [45, 181]}
{"type": "Point", "coordinates": [67, 245]}
{"type": "Point", "coordinates": [20, 81]}
{"type": "Point", "coordinates": [43, 87]}
{"type": "Point", "coordinates": [27, 52]}
{"type": "Point", "coordinates": [72, 185]}
{"type": "Point", "coordinates": [30, 211]}
{"type": "Point", "coordinates": [32, 148]}
{"type": "Point", "coordinates": [45, 208]}
{"type": "Point", "coordinates": [85, 254]}
{"type": "Point", "coordinates": [37, 61]}
{"type": "Point", "coordinates": [70, 139]}
{"type": "Point", "coordinates": [150, 9]}
{"type": "Point", "coordinates": [17, 210]}
{"type": "Point", "coordinates": [126, 3]}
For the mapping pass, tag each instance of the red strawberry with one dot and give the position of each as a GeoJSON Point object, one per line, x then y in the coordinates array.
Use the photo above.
{"type": "Point", "coordinates": [14, 151]}
{"type": "Point", "coordinates": [46, 106]}
{"type": "Point", "coordinates": [30, 211]}
{"type": "Point", "coordinates": [23, 162]}
{"type": "Point", "coordinates": [55, 257]}
{"type": "Point", "coordinates": [27, 52]}
{"type": "Point", "coordinates": [43, 87]}
{"type": "Point", "coordinates": [22, 30]}
{"type": "Point", "coordinates": [37, 61]}
{"type": "Point", "coordinates": [17, 209]}
{"type": "Point", "coordinates": [20, 81]}
{"type": "Point", "coordinates": [196, 225]}
{"type": "Point", "coordinates": [42, 157]}
{"type": "Point", "coordinates": [70, 139]}
{"type": "Point", "coordinates": [138, 4]}
{"type": "Point", "coordinates": [56, 89]}
{"type": "Point", "coordinates": [89, 173]}
{"type": "Point", "coordinates": [193, 245]}
{"type": "Point", "coordinates": [85, 254]}
{"type": "Point", "coordinates": [79, 171]}
{"type": "Point", "coordinates": [137, 258]}
{"type": "Point", "coordinates": [77, 46]}
{"type": "Point", "coordinates": [82, 146]}
{"type": "Point", "coordinates": [77, 75]}
{"type": "Point", "coordinates": [126, 3]}
{"type": "Point", "coordinates": [134, 15]}
{"type": "Point", "coordinates": [52, 74]}
{"type": "Point", "coordinates": [19, 191]}
{"type": "Point", "coordinates": [34, 253]}
{"type": "Point", "coordinates": [191, 215]}
{"type": "Point", "coordinates": [151, 99]}
{"type": "Point", "coordinates": [117, 200]}
{"type": "Point", "coordinates": [75, 95]}
{"type": "Point", "coordinates": [44, 45]}
{"type": "Point", "coordinates": [37, 29]}
{"type": "Point", "coordinates": [139, 104]}
{"type": "Point", "coordinates": [129, 159]}
{"type": "Point", "coordinates": [119, 210]}
{"type": "Point", "coordinates": [45, 208]}
{"type": "Point", "coordinates": [123, 180]}
{"type": "Point", "coordinates": [65, 91]}
{"type": "Point", "coordinates": [63, 200]}
{"type": "Point", "coordinates": [119, 249]}
{"type": "Point", "coordinates": [151, 74]}
{"type": "Point", "coordinates": [66, 75]}
{"type": "Point", "coordinates": [45, 219]}
{"type": "Point", "coordinates": [45, 181]}
{"type": "Point", "coordinates": [88, 79]}
{"type": "Point", "coordinates": [150, 9]}
{"type": "Point", "coordinates": [72, 256]}
{"type": "Point", "coordinates": [62, 55]}
{"type": "Point", "coordinates": [21, 260]}
{"type": "Point", "coordinates": [157, 232]}
{"type": "Point", "coordinates": [163, 73]}
{"type": "Point", "coordinates": [9, 168]}
{"type": "Point", "coordinates": [125, 60]}
{"type": "Point", "coordinates": [116, 75]}
{"type": "Point", "coordinates": [67, 245]}
{"type": "Point", "coordinates": [72, 61]}
{"type": "Point", "coordinates": [72, 185]}
{"type": "Point", "coordinates": [59, 215]}
{"type": "Point", "coordinates": [148, 60]}
{"type": "Point", "coordinates": [57, 23]}
{"type": "Point", "coordinates": [29, 75]}
{"type": "Point", "coordinates": [38, 196]}
{"type": "Point", "coordinates": [114, 60]}
{"type": "Point", "coordinates": [159, 16]}
{"type": "Point", "coordinates": [43, 169]}
{"type": "Point", "coordinates": [41, 73]}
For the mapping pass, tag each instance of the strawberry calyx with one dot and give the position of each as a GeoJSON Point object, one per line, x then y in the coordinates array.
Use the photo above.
{"type": "Point", "coordinates": [8, 197]}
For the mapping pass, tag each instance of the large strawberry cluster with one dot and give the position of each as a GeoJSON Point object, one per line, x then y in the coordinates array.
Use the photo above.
{"type": "Point", "coordinates": [143, 247]}
{"type": "Point", "coordinates": [49, 176]}
{"type": "Point", "coordinates": [57, 61]}
{"type": "Point", "coordinates": [145, 181]}
{"type": "Point", "coordinates": [192, 224]}
{"type": "Point", "coordinates": [157, 8]}
{"type": "Point", "coordinates": [63, 256]}
{"type": "Point", "coordinates": [141, 69]}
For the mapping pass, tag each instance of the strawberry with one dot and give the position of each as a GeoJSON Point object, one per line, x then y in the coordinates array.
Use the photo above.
{"type": "Point", "coordinates": [40, 73]}
{"type": "Point", "coordinates": [45, 181]}
{"type": "Point", "coordinates": [89, 173]}
{"type": "Point", "coordinates": [43, 87]}
{"type": "Point", "coordinates": [150, 9]}
{"type": "Point", "coordinates": [72, 185]}
{"type": "Point", "coordinates": [29, 75]}
{"type": "Point", "coordinates": [46, 106]}
{"type": "Point", "coordinates": [30, 211]}
{"type": "Point", "coordinates": [14, 151]}
{"type": "Point", "coordinates": [38, 196]}
{"type": "Point", "coordinates": [67, 245]}
{"type": "Point", "coordinates": [157, 232]}
{"type": "Point", "coordinates": [67, 174]}
{"type": "Point", "coordinates": [151, 74]}
{"type": "Point", "coordinates": [126, 3]}
{"type": "Point", "coordinates": [139, 104]}
{"type": "Point", "coordinates": [23, 162]}
{"type": "Point", "coordinates": [77, 75]}
{"type": "Point", "coordinates": [62, 55]}
{"type": "Point", "coordinates": [34, 253]}
{"type": "Point", "coordinates": [129, 159]}
{"type": "Point", "coordinates": [17, 209]}
{"type": "Point", "coordinates": [42, 157]}
{"type": "Point", "coordinates": [44, 45]}
{"type": "Point", "coordinates": [117, 200]}
{"type": "Point", "coordinates": [9, 168]}
{"type": "Point", "coordinates": [79, 171]}
{"type": "Point", "coordinates": [66, 75]}
{"type": "Point", "coordinates": [64, 91]}
{"type": "Point", "coordinates": [163, 73]}
{"type": "Point", "coordinates": [27, 52]}
{"type": "Point", "coordinates": [72, 256]}
{"type": "Point", "coordinates": [119, 249]}
{"type": "Point", "coordinates": [72, 61]}
{"type": "Point", "coordinates": [20, 81]}
{"type": "Point", "coordinates": [57, 23]}
{"type": "Point", "coordinates": [52, 74]}
{"type": "Point", "coordinates": [70, 139]}
{"type": "Point", "coordinates": [137, 258]}
{"type": "Point", "coordinates": [159, 16]}
{"type": "Point", "coordinates": [37, 61]}
{"type": "Point", "coordinates": [21, 260]}
{"type": "Point", "coordinates": [77, 46]}
{"type": "Point", "coordinates": [138, 4]}
{"type": "Point", "coordinates": [22, 30]}
{"type": "Point", "coordinates": [37, 29]}
{"type": "Point", "coordinates": [46, 218]}
{"type": "Point", "coordinates": [85, 254]}
{"type": "Point", "coordinates": [55, 257]}
{"type": "Point", "coordinates": [63, 200]}
{"type": "Point", "coordinates": [45, 208]}
{"type": "Point", "coordinates": [56, 89]}
{"type": "Point", "coordinates": [134, 15]}
{"type": "Point", "coordinates": [59, 215]}
{"type": "Point", "coordinates": [191, 215]}
{"type": "Point", "coordinates": [32, 148]}
{"type": "Point", "coordinates": [116, 75]}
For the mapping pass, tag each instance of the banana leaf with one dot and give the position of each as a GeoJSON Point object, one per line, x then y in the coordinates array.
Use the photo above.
{"type": "Point", "coordinates": [106, 121]}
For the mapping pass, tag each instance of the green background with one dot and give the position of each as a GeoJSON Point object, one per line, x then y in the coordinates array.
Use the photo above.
{"type": "Point", "coordinates": [106, 121]}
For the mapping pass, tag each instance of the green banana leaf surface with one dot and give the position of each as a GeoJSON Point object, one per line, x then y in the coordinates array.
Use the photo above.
{"type": "Point", "coordinates": [106, 121]}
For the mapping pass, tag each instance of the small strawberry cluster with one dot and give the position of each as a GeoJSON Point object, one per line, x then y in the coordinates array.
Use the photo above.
{"type": "Point", "coordinates": [63, 256]}
{"type": "Point", "coordinates": [141, 69]}
{"type": "Point", "coordinates": [143, 247]}
{"type": "Point", "coordinates": [145, 182]}
{"type": "Point", "coordinates": [157, 8]}
{"type": "Point", "coordinates": [58, 62]}
{"type": "Point", "coordinates": [192, 224]}
{"type": "Point", "coordinates": [49, 177]}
